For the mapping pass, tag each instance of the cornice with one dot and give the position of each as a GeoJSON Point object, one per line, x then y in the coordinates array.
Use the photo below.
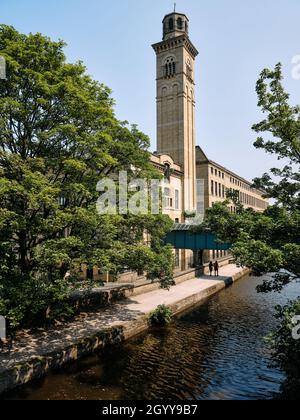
{"type": "Point", "coordinates": [179, 41]}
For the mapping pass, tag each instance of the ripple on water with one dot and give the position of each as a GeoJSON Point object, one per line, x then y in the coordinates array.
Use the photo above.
{"type": "Point", "coordinates": [215, 352]}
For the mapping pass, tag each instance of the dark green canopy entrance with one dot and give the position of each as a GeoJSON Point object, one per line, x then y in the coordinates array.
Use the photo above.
{"type": "Point", "coordinates": [183, 237]}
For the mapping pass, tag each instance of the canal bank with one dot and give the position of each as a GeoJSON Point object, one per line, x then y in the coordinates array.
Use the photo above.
{"type": "Point", "coordinates": [34, 354]}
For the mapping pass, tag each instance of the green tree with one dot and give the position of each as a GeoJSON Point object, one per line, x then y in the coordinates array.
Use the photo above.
{"type": "Point", "coordinates": [282, 122]}
{"type": "Point", "coordinates": [270, 242]}
{"type": "Point", "coordinates": [277, 230]}
{"type": "Point", "coordinates": [58, 137]}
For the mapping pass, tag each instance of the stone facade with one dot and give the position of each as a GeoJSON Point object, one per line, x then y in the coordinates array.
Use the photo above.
{"type": "Point", "coordinates": [218, 180]}
{"type": "Point", "coordinates": [174, 202]}
{"type": "Point", "coordinates": [191, 181]}
{"type": "Point", "coordinates": [198, 181]}
{"type": "Point", "coordinates": [172, 186]}
{"type": "Point", "coordinates": [176, 100]}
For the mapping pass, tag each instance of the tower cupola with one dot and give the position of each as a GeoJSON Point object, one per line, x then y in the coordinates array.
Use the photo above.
{"type": "Point", "coordinates": [175, 24]}
{"type": "Point", "coordinates": [175, 81]}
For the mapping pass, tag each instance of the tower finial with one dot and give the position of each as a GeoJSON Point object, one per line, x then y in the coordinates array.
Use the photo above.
{"type": "Point", "coordinates": [174, 7]}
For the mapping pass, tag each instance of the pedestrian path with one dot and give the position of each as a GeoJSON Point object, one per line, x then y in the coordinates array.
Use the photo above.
{"type": "Point", "coordinates": [124, 319]}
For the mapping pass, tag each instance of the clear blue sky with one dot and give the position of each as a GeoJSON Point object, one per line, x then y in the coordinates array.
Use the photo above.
{"type": "Point", "coordinates": [236, 40]}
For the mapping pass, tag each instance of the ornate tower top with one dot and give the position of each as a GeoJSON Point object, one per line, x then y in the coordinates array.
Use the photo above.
{"type": "Point", "coordinates": [175, 24]}
{"type": "Point", "coordinates": [175, 75]}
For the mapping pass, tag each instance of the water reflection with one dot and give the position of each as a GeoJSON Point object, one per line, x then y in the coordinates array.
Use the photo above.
{"type": "Point", "coordinates": [215, 352]}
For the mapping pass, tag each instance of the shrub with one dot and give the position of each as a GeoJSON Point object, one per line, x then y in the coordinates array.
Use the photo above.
{"type": "Point", "coordinates": [286, 348]}
{"type": "Point", "coordinates": [161, 316]}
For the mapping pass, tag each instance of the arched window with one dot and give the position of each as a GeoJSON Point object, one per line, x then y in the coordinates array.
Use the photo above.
{"type": "Point", "coordinates": [170, 67]}
{"type": "Point", "coordinates": [171, 24]}
{"type": "Point", "coordinates": [179, 23]}
{"type": "Point", "coordinates": [174, 68]}
{"type": "Point", "coordinates": [166, 70]}
{"type": "Point", "coordinates": [167, 173]}
{"type": "Point", "coordinates": [164, 91]}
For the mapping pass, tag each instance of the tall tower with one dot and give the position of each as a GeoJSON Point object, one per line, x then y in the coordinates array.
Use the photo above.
{"type": "Point", "coordinates": [176, 100]}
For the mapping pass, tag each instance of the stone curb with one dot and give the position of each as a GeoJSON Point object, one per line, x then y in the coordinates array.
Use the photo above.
{"type": "Point", "coordinates": [37, 367]}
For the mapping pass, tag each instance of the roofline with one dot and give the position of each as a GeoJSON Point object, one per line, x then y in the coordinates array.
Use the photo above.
{"type": "Point", "coordinates": [229, 171]}
{"type": "Point", "coordinates": [179, 173]}
{"type": "Point", "coordinates": [205, 155]}
{"type": "Point", "coordinates": [212, 162]}
{"type": "Point", "coordinates": [240, 178]}
{"type": "Point", "coordinates": [175, 13]}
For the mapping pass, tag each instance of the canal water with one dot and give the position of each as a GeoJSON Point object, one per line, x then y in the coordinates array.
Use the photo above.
{"type": "Point", "coordinates": [215, 352]}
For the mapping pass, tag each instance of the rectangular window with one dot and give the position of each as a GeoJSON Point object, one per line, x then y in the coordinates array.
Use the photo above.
{"type": "Point", "coordinates": [166, 198]}
{"type": "Point", "coordinates": [220, 190]}
{"type": "Point", "coordinates": [216, 172]}
{"type": "Point", "coordinates": [212, 170]}
{"type": "Point", "coordinates": [212, 188]}
{"type": "Point", "coordinates": [177, 200]}
{"type": "Point", "coordinates": [216, 188]}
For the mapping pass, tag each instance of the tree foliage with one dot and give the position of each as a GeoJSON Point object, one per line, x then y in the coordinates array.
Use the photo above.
{"type": "Point", "coordinates": [282, 122]}
{"type": "Point", "coordinates": [286, 349]}
{"type": "Point", "coordinates": [58, 137]}
{"type": "Point", "coordinates": [269, 242]}
{"type": "Point", "coordinates": [265, 242]}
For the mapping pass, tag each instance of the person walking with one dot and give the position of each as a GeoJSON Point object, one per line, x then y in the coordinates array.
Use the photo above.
{"type": "Point", "coordinates": [211, 268]}
{"type": "Point", "coordinates": [216, 267]}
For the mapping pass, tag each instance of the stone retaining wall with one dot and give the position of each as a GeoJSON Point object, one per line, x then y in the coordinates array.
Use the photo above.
{"type": "Point", "coordinates": [38, 367]}
{"type": "Point", "coordinates": [148, 286]}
